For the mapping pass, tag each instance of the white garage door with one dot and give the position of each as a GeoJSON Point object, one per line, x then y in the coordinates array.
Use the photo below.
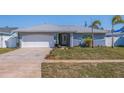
{"type": "Point", "coordinates": [37, 40]}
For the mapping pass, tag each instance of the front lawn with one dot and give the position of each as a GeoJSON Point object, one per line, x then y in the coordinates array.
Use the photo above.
{"type": "Point", "coordinates": [80, 70]}
{"type": "Point", "coordinates": [4, 50]}
{"type": "Point", "coordinates": [87, 53]}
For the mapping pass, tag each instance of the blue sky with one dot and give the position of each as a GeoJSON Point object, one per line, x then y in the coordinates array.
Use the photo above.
{"type": "Point", "coordinates": [22, 21]}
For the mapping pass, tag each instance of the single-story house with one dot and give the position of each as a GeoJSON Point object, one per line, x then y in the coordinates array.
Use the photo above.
{"type": "Point", "coordinates": [47, 35]}
{"type": "Point", "coordinates": [7, 37]}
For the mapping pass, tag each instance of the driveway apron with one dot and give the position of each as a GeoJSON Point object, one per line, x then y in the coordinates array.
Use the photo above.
{"type": "Point", "coordinates": [23, 62]}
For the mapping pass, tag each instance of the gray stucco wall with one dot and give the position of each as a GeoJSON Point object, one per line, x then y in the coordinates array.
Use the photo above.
{"type": "Point", "coordinates": [78, 38]}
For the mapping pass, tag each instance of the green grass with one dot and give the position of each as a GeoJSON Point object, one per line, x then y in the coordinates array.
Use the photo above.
{"type": "Point", "coordinates": [82, 70]}
{"type": "Point", "coordinates": [87, 53]}
{"type": "Point", "coordinates": [4, 50]}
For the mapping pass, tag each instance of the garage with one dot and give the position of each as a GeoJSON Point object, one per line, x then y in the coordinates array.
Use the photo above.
{"type": "Point", "coordinates": [36, 40]}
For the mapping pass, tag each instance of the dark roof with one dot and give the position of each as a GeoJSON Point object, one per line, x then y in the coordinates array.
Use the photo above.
{"type": "Point", "coordinates": [60, 28]}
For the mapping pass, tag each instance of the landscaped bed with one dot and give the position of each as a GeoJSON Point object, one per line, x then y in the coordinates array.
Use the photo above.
{"type": "Point", "coordinates": [4, 50]}
{"type": "Point", "coordinates": [79, 70]}
{"type": "Point", "coordinates": [80, 53]}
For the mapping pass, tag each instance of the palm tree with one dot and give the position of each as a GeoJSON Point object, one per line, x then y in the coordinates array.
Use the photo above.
{"type": "Point", "coordinates": [95, 25]}
{"type": "Point", "coordinates": [115, 20]}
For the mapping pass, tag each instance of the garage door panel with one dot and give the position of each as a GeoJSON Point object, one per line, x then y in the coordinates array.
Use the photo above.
{"type": "Point", "coordinates": [36, 44]}
{"type": "Point", "coordinates": [38, 40]}
{"type": "Point", "coordinates": [29, 38]}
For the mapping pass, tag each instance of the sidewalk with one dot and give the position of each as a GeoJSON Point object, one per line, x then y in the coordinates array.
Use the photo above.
{"type": "Point", "coordinates": [83, 61]}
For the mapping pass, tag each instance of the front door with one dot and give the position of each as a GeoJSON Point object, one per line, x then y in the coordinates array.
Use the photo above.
{"type": "Point", "coordinates": [64, 39]}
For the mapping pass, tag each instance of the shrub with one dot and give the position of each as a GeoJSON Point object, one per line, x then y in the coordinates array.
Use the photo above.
{"type": "Point", "coordinates": [57, 45]}
{"type": "Point", "coordinates": [88, 41]}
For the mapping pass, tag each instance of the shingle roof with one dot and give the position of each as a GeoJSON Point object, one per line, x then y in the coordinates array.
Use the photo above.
{"type": "Point", "coordinates": [60, 28]}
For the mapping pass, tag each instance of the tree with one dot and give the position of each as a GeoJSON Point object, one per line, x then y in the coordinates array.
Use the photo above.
{"type": "Point", "coordinates": [115, 20]}
{"type": "Point", "coordinates": [95, 25]}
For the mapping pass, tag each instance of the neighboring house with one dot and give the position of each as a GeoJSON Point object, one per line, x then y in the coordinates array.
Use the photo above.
{"type": "Point", "coordinates": [118, 39]}
{"type": "Point", "coordinates": [8, 38]}
{"type": "Point", "coordinates": [47, 35]}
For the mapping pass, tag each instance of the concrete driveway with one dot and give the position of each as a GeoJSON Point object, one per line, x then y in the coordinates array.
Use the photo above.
{"type": "Point", "coordinates": [23, 62]}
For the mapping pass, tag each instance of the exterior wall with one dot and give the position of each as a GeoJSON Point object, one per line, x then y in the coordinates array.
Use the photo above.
{"type": "Point", "coordinates": [118, 41]}
{"type": "Point", "coordinates": [36, 40]}
{"type": "Point", "coordinates": [99, 39]}
{"type": "Point", "coordinates": [77, 39]}
{"type": "Point", "coordinates": [7, 41]}
{"type": "Point", "coordinates": [12, 42]}
{"type": "Point", "coordinates": [108, 41]}
{"type": "Point", "coordinates": [3, 39]}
